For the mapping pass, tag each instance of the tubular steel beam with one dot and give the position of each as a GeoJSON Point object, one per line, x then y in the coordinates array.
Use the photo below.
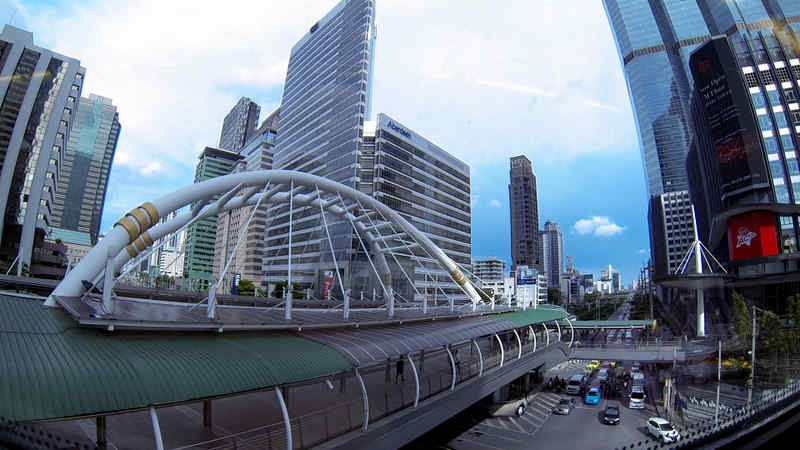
{"type": "Point", "coordinates": [480, 357]}
{"type": "Point", "coordinates": [364, 399]}
{"type": "Point", "coordinates": [287, 424]}
{"type": "Point", "coordinates": [93, 264]}
{"type": "Point", "coordinates": [571, 332]}
{"type": "Point", "coordinates": [156, 429]}
{"type": "Point", "coordinates": [502, 352]}
{"type": "Point", "coordinates": [559, 330]}
{"type": "Point", "coordinates": [546, 335]}
{"type": "Point", "coordinates": [452, 366]}
{"type": "Point", "coordinates": [519, 343]}
{"type": "Point", "coordinates": [533, 333]}
{"type": "Point", "coordinates": [416, 380]}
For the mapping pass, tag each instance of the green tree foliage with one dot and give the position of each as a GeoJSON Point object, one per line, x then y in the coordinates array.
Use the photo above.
{"type": "Point", "coordinates": [486, 294]}
{"type": "Point", "coordinates": [741, 316]}
{"type": "Point", "coordinates": [246, 287]}
{"type": "Point", "coordinates": [793, 309]}
{"type": "Point", "coordinates": [278, 292]}
{"type": "Point", "coordinates": [554, 296]}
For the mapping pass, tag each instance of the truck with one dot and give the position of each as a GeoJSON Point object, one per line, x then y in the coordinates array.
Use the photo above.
{"type": "Point", "coordinates": [637, 391]}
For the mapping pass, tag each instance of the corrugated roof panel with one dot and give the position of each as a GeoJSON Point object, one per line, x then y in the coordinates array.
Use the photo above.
{"type": "Point", "coordinates": [533, 316]}
{"type": "Point", "coordinates": [51, 374]}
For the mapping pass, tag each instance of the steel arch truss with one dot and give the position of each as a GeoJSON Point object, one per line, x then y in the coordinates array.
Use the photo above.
{"type": "Point", "coordinates": [377, 225]}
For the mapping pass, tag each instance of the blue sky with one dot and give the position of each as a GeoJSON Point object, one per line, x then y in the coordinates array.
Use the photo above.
{"type": "Point", "coordinates": [484, 81]}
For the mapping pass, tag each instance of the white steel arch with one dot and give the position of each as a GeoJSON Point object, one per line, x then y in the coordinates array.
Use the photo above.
{"type": "Point", "coordinates": [137, 231]}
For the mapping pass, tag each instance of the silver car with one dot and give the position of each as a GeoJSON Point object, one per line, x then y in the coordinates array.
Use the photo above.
{"type": "Point", "coordinates": [564, 406]}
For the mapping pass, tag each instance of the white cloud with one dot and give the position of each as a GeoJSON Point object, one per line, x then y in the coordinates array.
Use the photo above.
{"type": "Point", "coordinates": [495, 203]}
{"type": "Point", "coordinates": [174, 70]}
{"type": "Point", "coordinates": [642, 251]}
{"type": "Point", "coordinates": [600, 226]}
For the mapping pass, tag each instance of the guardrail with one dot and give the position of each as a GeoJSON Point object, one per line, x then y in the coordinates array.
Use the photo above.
{"type": "Point", "coordinates": [729, 422]}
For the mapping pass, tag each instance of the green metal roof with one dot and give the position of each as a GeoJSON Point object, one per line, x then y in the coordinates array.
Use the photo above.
{"type": "Point", "coordinates": [612, 323]}
{"type": "Point", "coordinates": [52, 369]}
{"type": "Point", "coordinates": [532, 316]}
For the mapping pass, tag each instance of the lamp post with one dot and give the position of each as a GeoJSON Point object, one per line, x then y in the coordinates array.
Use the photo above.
{"type": "Point", "coordinates": [752, 379]}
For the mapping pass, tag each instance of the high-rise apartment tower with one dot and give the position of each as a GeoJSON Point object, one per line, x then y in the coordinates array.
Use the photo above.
{"type": "Point", "coordinates": [239, 126]}
{"type": "Point", "coordinates": [524, 215]}
{"type": "Point", "coordinates": [552, 252]}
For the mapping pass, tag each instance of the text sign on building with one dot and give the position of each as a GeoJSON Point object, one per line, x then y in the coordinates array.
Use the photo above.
{"type": "Point", "coordinates": [729, 130]}
{"type": "Point", "coordinates": [526, 276]}
{"type": "Point", "coordinates": [752, 235]}
{"type": "Point", "coordinates": [327, 284]}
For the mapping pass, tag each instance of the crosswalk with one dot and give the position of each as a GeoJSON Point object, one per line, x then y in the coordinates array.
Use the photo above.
{"type": "Point", "coordinates": [510, 431]}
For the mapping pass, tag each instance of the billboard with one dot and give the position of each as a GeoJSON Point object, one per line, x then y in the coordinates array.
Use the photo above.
{"type": "Point", "coordinates": [327, 284]}
{"type": "Point", "coordinates": [732, 136]}
{"type": "Point", "coordinates": [526, 276]}
{"type": "Point", "coordinates": [752, 235]}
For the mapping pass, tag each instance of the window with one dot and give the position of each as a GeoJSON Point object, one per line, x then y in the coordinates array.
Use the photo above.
{"type": "Point", "coordinates": [757, 99]}
{"type": "Point", "coordinates": [764, 123]}
{"type": "Point", "coordinates": [795, 117]}
{"type": "Point", "coordinates": [774, 98]}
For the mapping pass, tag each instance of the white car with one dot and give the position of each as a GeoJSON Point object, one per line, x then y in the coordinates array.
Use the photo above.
{"type": "Point", "coordinates": [662, 430]}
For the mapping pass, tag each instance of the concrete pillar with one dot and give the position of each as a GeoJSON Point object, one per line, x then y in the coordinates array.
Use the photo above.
{"type": "Point", "coordinates": [207, 413]}
{"type": "Point", "coordinates": [102, 441]}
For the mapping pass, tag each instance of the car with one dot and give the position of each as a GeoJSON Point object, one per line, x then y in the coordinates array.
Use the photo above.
{"type": "Point", "coordinates": [593, 395]}
{"type": "Point", "coordinates": [662, 430]}
{"type": "Point", "coordinates": [575, 383]}
{"type": "Point", "coordinates": [593, 364]}
{"type": "Point", "coordinates": [611, 414]}
{"type": "Point", "coordinates": [602, 375]}
{"type": "Point", "coordinates": [564, 406]}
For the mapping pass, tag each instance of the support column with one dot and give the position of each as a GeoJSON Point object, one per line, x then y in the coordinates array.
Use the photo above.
{"type": "Point", "coordinates": [100, 432]}
{"type": "Point", "coordinates": [559, 330]}
{"type": "Point", "coordinates": [571, 332]}
{"type": "Point", "coordinates": [156, 429]}
{"type": "Point", "coordinates": [287, 425]}
{"type": "Point", "coordinates": [207, 413]}
{"type": "Point", "coordinates": [519, 344]}
{"type": "Point", "coordinates": [533, 333]}
{"type": "Point", "coordinates": [546, 335]}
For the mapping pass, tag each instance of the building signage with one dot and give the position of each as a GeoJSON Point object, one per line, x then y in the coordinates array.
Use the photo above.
{"type": "Point", "coordinates": [752, 235]}
{"type": "Point", "coordinates": [394, 127]}
{"type": "Point", "coordinates": [728, 131]}
{"type": "Point", "coordinates": [327, 284]}
{"type": "Point", "coordinates": [526, 276]}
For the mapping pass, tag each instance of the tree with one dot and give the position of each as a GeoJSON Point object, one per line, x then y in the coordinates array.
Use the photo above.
{"type": "Point", "coordinates": [246, 287]}
{"type": "Point", "coordinates": [278, 292]}
{"type": "Point", "coordinates": [554, 296]}
{"type": "Point", "coordinates": [793, 309]}
{"type": "Point", "coordinates": [486, 294]}
{"type": "Point", "coordinates": [741, 316]}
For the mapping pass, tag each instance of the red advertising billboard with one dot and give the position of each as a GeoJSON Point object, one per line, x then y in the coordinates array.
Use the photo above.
{"type": "Point", "coordinates": [327, 284]}
{"type": "Point", "coordinates": [752, 235]}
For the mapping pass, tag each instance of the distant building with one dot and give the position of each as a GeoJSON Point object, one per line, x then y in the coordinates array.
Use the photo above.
{"type": "Point", "coordinates": [552, 252]}
{"type": "Point", "coordinates": [201, 236]}
{"type": "Point", "coordinates": [81, 191]}
{"type": "Point", "coordinates": [168, 258]}
{"type": "Point", "coordinates": [531, 287]}
{"type": "Point", "coordinates": [671, 216]}
{"type": "Point", "coordinates": [524, 207]}
{"type": "Point", "coordinates": [78, 243]}
{"type": "Point", "coordinates": [613, 278]}
{"type": "Point", "coordinates": [239, 126]}
{"type": "Point", "coordinates": [489, 270]}
{"type": "Point", "coordinates": [249, 258]}
{"type": "Point", "coordinates": [40, 92]}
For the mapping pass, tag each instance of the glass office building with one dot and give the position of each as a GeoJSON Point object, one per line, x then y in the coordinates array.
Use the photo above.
{"type": "Point", "coordinates": [39, 95]}
{"type": "Point", "coordinates": [82, 186]}
{"type": "Point", "coordinates": [326, 100]}
{"type": "Point", "coordinates": [522, 196]}
{"type": "Point", "coordinates": [239, 126]}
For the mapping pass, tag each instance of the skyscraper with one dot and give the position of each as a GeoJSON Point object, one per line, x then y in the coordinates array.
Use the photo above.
{"type": "Point", "coordinates": [524, 215]}
{"type": "Point", "coordinates": [552, 252]}
{"type": "Point", "coordinates": [326, 99]}
{"type": "Point", "coordinates": [239, 125]}
{"type": "Point", "coordinates": [40, 91]}
{"type": "Point", "coordinates": [247, 263]}
{"type": "Point", "coordinates": [201, 235]}
{"type": "Point", "coordinates": [82, 186]}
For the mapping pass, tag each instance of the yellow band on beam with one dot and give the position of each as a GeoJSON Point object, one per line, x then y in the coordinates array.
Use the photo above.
{"type": "Point", "coordinates": [458, 277]}
{"type": "Point", "coordinates": [146, 238]}
{"type": "Point", "coordinates": [131, 251]}
{"type": "Point", "coordinates": [130, 226]}
{"type": "Point", "coordinates": [142, 218]}
{"type": "Point", "coordinates": [151, 211]}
